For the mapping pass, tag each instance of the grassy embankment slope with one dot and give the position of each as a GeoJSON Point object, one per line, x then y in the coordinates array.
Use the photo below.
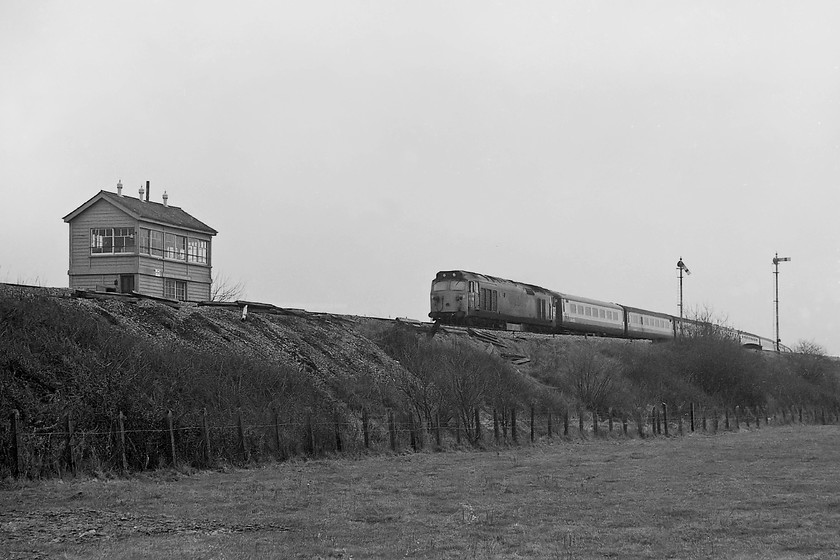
{"type": "Point", "coordinates": [295, 377]}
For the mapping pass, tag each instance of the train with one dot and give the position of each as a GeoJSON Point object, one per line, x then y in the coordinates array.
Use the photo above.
{"type": "Point", "coordinates": [459, 297]}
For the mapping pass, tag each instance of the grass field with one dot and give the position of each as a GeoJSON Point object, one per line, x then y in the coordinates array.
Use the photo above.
{"type": "Point", "coordinates": [768, 493]}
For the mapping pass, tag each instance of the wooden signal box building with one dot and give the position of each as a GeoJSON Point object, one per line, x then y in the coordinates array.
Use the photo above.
{"type": "Point", "coordinates": [124, 244]}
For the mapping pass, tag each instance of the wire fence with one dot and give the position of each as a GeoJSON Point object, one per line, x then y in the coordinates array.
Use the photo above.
{"type": "Point", "coordinates": [127, 445]}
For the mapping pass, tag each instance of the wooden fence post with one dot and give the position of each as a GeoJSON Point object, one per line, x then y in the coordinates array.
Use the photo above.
{"type": "Point", "coordinates": [680, 415]}
{"type": "Point", "coordinates": [121, 440]}
{"type": "Point", "coordinates": [704, 418]}
{"type": "Point", "coordinates": [594, 421]}
{"type": "Point", "coordinates": [513, 433]}
{"type": "Point", "coordinates": [665, 417]}
{"type": "Point", "coordinates": [392, 430]}
{"type": "Point", "coordinates": [170, 427]}
{"type": "Point", "coordinates": [205, 435]}
{"type": "Point", "coordinates": [69, 452]}
{"type": "Point", "coordinates": [580, 420]}
{"type": "Point", "coordinates": [477, 426]}
{"type": "Point", "coordinates": [692, 417]}
{"type": "Point", "coordinates": [458, 429]}
{"type": "Point", "coordinates": [17, 458]}
{"type": "Point", "coordinates": [310, 434]}
{"type": "Point", "coordinates": [624, 422]}
{"type": "Point", "coordinates": [243, 447]}
{"type": "Point", "coordinates": [496, 426]}
{"type": "Point", "coordinates": [366, 428]}
{"type": "Point", "coordinates": [277, 443]}
{"type": "Point", "coordinates": [737, 417]}
{"type": "Point", "coordinates": [566, 422]}
{"type": "Point", "coordinates": [337, 425]}
{"type": "Point", "coordinates": [437, 428]}
{"type": "Point", "coordinates": [532, 423]}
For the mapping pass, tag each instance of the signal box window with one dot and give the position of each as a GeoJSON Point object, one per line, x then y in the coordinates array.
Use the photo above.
{"type": "Point", "coordinates": [175, 289]}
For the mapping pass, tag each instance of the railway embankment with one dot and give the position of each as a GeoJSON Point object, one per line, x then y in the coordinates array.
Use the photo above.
{"type": "Point", "coordinates": [105, 382]}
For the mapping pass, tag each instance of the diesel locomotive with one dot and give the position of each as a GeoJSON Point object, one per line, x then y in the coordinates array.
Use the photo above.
{"type": "Point", "coordinates": [466, 298]}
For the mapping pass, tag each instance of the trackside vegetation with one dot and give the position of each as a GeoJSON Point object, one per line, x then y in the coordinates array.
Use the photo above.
{"type": "Point", "coordinates": [113, 385]}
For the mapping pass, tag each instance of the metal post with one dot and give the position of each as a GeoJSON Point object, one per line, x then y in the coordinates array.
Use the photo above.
{"type": "Point", "coordinates": [776, 261]}
{"type": "Point", "coordinates": [681, 267]}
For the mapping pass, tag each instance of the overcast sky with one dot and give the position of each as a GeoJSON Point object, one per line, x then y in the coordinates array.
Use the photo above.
{"type": "Point", "coordinates": [347, 151]}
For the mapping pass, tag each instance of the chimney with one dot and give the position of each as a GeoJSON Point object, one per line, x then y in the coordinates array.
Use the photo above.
{"type": "Point", "coordinates": [141, 191]}
{"type": "Point", "coordinates": [165, 199]}
{"type": "Point", "coordinates": [119, 187]}
{"type": "Point", "coordinates": [147, 191]}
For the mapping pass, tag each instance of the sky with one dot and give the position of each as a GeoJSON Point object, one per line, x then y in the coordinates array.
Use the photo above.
{"type": "Point", "coordinates": [346, 151]}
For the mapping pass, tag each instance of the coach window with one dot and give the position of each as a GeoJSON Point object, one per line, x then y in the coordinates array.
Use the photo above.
{"type": "Point", "coordinates": [603, 314]}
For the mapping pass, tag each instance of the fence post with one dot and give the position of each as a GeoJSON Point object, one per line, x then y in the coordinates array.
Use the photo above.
{"type": "Point", "coordinates": [276, 432]}
{"type": "Point", "coordinates": [243, 448]}
{"type": "Point", "coordinates": [458, 429]}
{"type": "Point", "coordinates": [337, 424]}
{"type": "Point", "coordinates": [17, 463]}
{"type": "Point", "coordinates": [566, 422]}
{"type": "Point", "coordinates": [170, 427]}
{"type": "Point", "coordinates": [594, 421]}
{"type": "Point", "coordinates": [610, 414]}
{"type": "Point", "coordinates": [310, 434]}
{"type": "Point", "coordinates": [478, 426]}
{"type": "Point", "coordinates": [624, 422]}
{"type": "Point", "coordinates": [692, 417]}
{"type": "Point", "coordinates": [496, 426]}
{"type": "Point", "coordinates": [665, 417]}
{"type": "Point", "coordinates": [366, 428]}
{"type": "Point", "coordinates": [580, 420]}
{"type": "Point", "coordinates": [68, 443]}
{"type": "Point", "coordinates": [737, 417]}
{"type": "Point", "coordinates": [726, 417]}
{"type": "Point", "coordinates": [392, 430]}
{"type": "Point", "coordinates": [532, 423]}
{"type": "Point", "coordinates": [437, 428]}
{"type": "Point", "coordinates": [704, 418]}
{"type": "Point", "coordinates": [121, 439]}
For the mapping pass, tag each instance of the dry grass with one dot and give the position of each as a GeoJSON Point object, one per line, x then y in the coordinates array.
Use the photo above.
{"type": "Point", "coordinates": [769, 493]}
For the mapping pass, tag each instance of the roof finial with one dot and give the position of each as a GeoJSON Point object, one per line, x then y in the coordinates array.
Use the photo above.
{"type": "Point", "coordinates": [165, 199]}
{"type": "Point", "coordinates": [119, 187]}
